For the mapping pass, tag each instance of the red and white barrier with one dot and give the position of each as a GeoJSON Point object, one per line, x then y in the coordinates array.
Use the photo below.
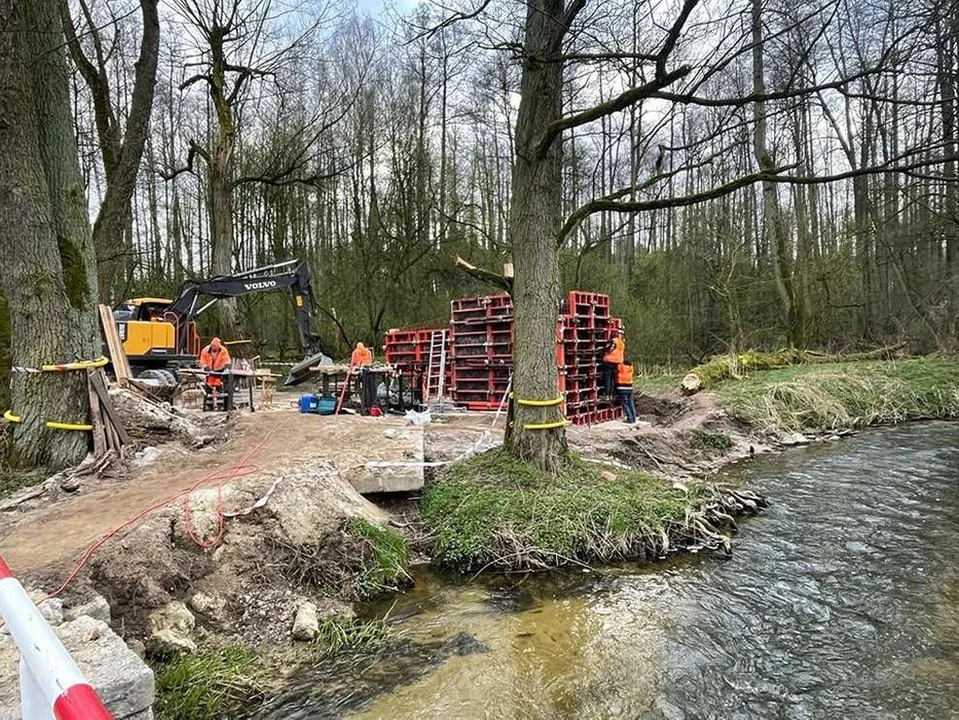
{"type": "Point", "coordinates": [51, 685]}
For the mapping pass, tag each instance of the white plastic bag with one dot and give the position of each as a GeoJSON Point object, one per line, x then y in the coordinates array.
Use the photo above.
{"type": "Point", "coordinates": [418, 418]}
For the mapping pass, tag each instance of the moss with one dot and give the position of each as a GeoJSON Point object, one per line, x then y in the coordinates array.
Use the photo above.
{"type": "Point", "coordinates": [74, 273]}
{"type": "Point", "coordinates": [493, 511]}
{"type": "Point", "coordinates": [720, 368]}
{"type": "Point", "coordinates": [384, 560]}
{"type": "Point", "coordinates": [209, 685]}
{"type": "Point", "coordinates": [834, 395]}
{"type": "Point", "coordinates": [706, 440]}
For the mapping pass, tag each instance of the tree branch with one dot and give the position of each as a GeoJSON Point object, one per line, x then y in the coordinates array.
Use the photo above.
{"type": "Point", "coordinates": [621, 102]}
{"type": "Point", "coordinates": [486, 276]}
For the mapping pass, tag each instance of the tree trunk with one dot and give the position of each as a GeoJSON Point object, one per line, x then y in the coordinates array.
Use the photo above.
{"type": "Point", "coordinates": [781, 252]}
{"type": "Point", "coordinates": [534, 222]}
{"type": "Point", "coordinates": [121, 160]}
{"type": "Point", "coordinates": [48, 276]}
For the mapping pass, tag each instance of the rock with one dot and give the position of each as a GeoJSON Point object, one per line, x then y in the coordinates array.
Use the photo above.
{"type": "Point", "coordinates": [211, 605]}
{"type": "Point", "coordinates": [691, 384]}
{"type": "Point", "coordinates": [170, 629]}
{"type": "Point", "coordinates": [96, 607]}
{"type": "Point", "coordinates": [306, 625]}
{"type": "Point", "coordinates": [138, 647]}
{"type": "Point", "coordinates": [391, 434]}
{"type": "Point", "coordinates": [52, 609]}
{"type": "Point", "coordinates": [123, 680]}
{"type": "Point", "coordinates": [793, 439]}
{"type": "Point", "coordinates": [608, 476]}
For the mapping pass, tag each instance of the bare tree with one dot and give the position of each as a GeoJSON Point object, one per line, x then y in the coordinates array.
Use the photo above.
{"type": "Point", "coordinates": [121, 146]}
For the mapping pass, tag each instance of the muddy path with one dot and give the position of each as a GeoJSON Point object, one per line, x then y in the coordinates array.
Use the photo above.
{"type": "Point", "coordinates": [267, 443]}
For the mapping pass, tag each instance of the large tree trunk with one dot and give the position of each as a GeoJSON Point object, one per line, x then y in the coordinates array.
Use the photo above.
{"type": "Point", "coordinates": [534, 223]}
{"type": "Point", "coordinates": [48, 273]}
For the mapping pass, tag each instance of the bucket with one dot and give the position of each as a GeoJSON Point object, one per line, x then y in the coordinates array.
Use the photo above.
{"type": "Point", "coordinates": [308, 403]}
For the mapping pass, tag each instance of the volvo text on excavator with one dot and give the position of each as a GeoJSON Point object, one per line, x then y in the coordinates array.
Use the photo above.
{"type": "Point", "coordinates": [160, 335]}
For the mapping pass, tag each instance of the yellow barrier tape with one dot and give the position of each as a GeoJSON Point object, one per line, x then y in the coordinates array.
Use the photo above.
{"type": "Point", "coordinates": [545, 426]}
{"type": "Point", "coordinates": [68, 426]}
{"type": "Point", "coordinates": [80, 365]}
{"type": "Point", "coordinates": [11, 418]}
{"type": "Point", "coordinates": [542, 403]}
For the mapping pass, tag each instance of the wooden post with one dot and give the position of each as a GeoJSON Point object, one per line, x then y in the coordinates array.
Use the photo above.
{"type": "Point", "coordinates": [96, 419]}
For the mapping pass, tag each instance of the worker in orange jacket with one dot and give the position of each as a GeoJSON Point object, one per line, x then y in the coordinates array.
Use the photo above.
{"type": "Point", "coordinates": [613, 357]}
{"type": "Point", "coordinates": [214, 358]}
{"type": "Point", "coordinates": [624, 389]}
{"type": "Point", "coordinates": [362, 356]}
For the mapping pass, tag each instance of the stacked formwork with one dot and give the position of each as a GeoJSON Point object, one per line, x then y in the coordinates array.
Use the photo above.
{"type": "Point", "coordinates": [582, 333]}
{"type": "Point", "coordinates": [409, 352]}
{"type": "Point", "coordinates": [481, 348]}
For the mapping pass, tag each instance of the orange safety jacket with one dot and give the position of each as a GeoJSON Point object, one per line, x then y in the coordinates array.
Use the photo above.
{"type": "Point", "coordinates": [361, 356]}
{"type": "Point", "coordinates": [214, 359]}
{"type": "Point", "coordinates": [618, 353]}
{"type": "Point", "coordinates": [624, 375]}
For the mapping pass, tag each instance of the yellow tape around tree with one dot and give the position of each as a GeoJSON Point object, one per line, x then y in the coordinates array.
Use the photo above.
{"type": "Point", "coordinates": [545, 426]}
{"type": "Point", "coordinates": [52, 424]}
{"type": "Point", "coordinates": [541, 403]}
{"type": "Point", "coordinates": [80, 365]}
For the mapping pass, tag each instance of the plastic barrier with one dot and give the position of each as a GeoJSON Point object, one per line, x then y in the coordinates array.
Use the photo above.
{"type": "Point", "coordinates": [51, 685]}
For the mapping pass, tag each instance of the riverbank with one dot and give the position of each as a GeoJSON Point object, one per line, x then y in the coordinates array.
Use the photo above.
{"type": "Point", "coordinates": [203, 615]}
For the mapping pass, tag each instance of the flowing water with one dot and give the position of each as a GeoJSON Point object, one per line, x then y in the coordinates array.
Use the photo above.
{"type": "Point", "coordinates": [840, 601]}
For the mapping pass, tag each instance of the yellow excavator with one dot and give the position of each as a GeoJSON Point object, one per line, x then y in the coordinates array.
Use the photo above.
{"type": "Point", "coordinates": [159, 335]}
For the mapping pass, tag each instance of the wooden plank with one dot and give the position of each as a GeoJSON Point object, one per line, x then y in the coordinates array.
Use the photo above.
{"type": "Point", "coordinates": [107, 407]}
{"type": "Point", "coordinates": [121, 366]}
{"type": "Point", "coordinates": [99, 437]}
{"type": "Point", "coordinates": [113, 435]}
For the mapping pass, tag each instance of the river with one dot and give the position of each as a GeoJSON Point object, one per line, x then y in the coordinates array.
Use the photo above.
{"type": "Point", "coordinates": [841, 600]}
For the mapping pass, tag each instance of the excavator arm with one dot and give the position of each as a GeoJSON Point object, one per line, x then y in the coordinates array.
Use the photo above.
{"type": "Point", "coordinates": [292, 274]}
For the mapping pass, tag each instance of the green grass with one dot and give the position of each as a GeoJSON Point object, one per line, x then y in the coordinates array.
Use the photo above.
{"type": "Point", "coordinates": [384, 562]}
{"type": "Point", "coordinates": [656, 384]}
{"type": "Point", "coordinates": [839, 395]}
{"type": "Point", "coordinates": [210, 685]}
{"type": "Point", "coordinates": [341, 634]}
{"type": "Point", "coordinates": [493, 511]}
{"type": "Point", "coordinates": [706, 440]}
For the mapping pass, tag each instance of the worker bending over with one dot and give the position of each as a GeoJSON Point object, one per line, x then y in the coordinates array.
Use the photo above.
{"type": "Point", "coordinates": [214, 358]}
{"type": "Point", "coordinates": [624, 389]}
{"type": "Point", "coordinates": [362, 356]}
{"type": "Point", "coordinates": [612, 359]}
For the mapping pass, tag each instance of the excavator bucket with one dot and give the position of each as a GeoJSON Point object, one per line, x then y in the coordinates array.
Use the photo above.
{"type": "Point", "coordinates": [301, 371]}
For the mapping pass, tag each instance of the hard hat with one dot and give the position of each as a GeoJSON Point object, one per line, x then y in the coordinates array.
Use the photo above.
{"type": "Point", "coordinates": [215, 342]}
{"type": "Point", "coordinates": [360, 345]}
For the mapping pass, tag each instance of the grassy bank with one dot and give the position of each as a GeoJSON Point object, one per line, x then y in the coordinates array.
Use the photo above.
{"type": "Point", "coordinates": [495, 512]}
{"type": "Point", "coordinates": [839, 395]}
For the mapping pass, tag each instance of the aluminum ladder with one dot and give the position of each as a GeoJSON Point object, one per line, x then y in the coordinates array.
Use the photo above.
{"type": "Point", "coordinates": [436, 370]}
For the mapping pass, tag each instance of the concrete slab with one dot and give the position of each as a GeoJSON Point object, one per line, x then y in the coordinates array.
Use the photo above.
{"type": "Point", "coordinates": [395, 462]}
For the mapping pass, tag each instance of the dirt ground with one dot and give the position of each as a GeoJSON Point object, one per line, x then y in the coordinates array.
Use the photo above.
{"type": "Point", "coordinates": [270, 443]}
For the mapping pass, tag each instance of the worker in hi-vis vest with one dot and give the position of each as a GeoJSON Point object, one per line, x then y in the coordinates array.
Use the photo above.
{"type": "Point", "coordinates": [614, 355]}
{"type": "Point", "coordinates": [362, 356]}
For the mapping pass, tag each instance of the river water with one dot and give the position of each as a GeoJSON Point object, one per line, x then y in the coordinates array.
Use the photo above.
{"type": "Point", "coordinates": [840, 601]}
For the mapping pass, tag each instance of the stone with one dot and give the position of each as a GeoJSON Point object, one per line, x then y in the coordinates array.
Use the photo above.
{"type": "Point", "coordinates": [96, 607]}
{"type": "Point", "coordinates": [306, 625]}
{"type": "Point", "coordinates": [211, 605]}
{"type": "Point", "coordinates": [123, 681]}
{"type": "Point", "coordinates": [170, 629]}
{"type": "Point", "coordinates": [794, 439]}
